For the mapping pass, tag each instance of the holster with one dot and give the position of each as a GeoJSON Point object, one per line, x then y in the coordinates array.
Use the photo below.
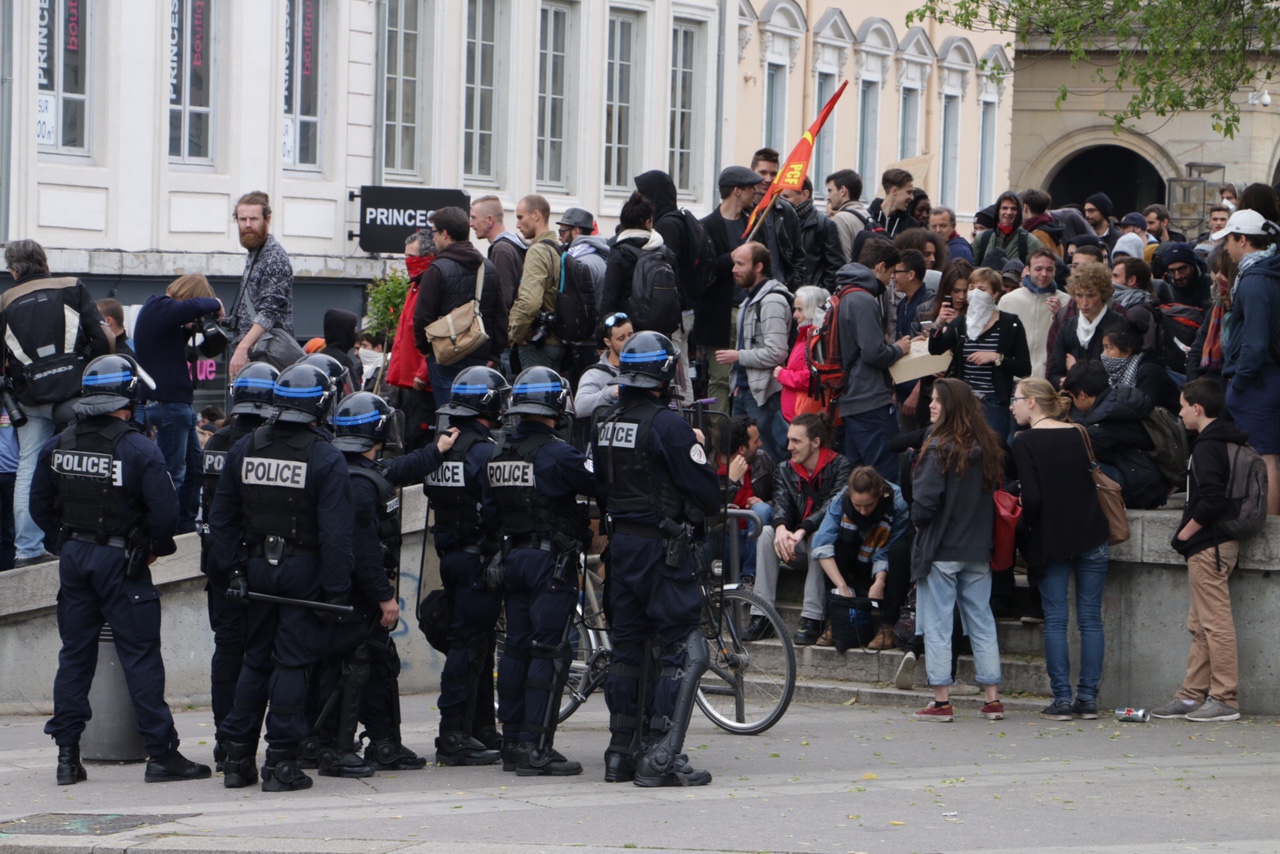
{"type": "Point", "coordinates": [565, 550]}
{"type": "Point", "coordinates": [679, 538]}
{"type": "Point", "coordinates": [273, 548]}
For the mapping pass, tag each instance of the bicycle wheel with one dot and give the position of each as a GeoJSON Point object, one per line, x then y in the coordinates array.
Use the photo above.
{"type": "Point", "coordinates": [748, 686]}
{"type": "Point", "coordinates": [586, 668]}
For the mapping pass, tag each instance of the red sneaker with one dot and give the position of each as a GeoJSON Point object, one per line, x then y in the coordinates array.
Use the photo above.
{"type": "Point", "coordinates": [993, 711]}
{"type": "Point", "coordinates": [942, 714]}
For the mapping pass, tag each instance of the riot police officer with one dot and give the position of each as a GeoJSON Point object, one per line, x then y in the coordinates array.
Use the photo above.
{"type": "Point", "coordinates": [467, 536]}
{"type": "Point", "coordinates": [656, 485]}
{"type": "Point", "coordinates": [363, 425]}
{"type": "Point", "coordinates": [536, 478]}
{"type": "Point", "coordinates": [102, 490]}
{"type": "Point", "coordinates": [337, 372]}
{"type": "Point", "coordinates": [281, 525]}
{"type": "Point", "coordinates": [251, 395]}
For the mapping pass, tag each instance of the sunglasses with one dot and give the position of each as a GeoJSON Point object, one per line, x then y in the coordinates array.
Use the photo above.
{"type": "Point", "coordinates": [616, 318]}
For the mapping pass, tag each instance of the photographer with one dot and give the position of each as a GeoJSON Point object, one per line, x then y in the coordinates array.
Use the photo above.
{"type": "Point", "coordinates": [161, 334]}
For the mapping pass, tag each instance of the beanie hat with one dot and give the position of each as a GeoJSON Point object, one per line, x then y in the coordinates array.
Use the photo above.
{"type": "Point", "coordinates": [1102, 202]}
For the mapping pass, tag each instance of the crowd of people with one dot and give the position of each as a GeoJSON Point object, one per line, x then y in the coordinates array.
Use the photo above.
{"type": "Point", "coordinates": [1073, 343]}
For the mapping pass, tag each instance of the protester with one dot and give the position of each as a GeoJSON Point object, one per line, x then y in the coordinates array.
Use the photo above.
{"type": "Point", "coordinates": [1079, 337]}
{"type": "Point", "coordinates": [819, 236]}
{"type": "Point", "coordinates": [113, 316]}
{"type": "Point", "coordinates": [1007, 236]}
{"type": "Point", "coordinates": [596, 387]}
{"type": "Point", "coordinates": [1128, 364]}
{"type": "Point", "coordinates": [942, 221]}
{"type": "Point", "coordinates": [266, 286]}
{"type": "Point", "coordinates": [794, 376]}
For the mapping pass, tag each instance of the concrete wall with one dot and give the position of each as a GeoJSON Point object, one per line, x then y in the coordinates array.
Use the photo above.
{"type": "Point", "coordinates": [29, 640]}
{"type": "Point", "coordinates": [1144, 613]}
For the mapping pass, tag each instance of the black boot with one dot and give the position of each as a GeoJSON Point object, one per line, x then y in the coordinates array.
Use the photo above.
{"type": "Point", "coordinates": [173, 768]}
{"type": "Point", "coordinates": [664, 763]}
{"type": "Point", "coordinates": [545, 762]}
{"type": "Point", "coordinates": [240, 768]}
{"type": "Point", "coordinates": [391, 755]}
{"type": "Point", "coordinates": [458, 748]}
{"type": "Point", "coordinates": [219, 757]}
{"type": "Point", "coordinates": [619, 765]}
{"type": "Point", "coordinates": [335, 763]}
{"type": "Point", "coordinates": [70, 771]}
{"type": "Point", "coordinates": [490, 737]}
{"type": "Point", "coordinates": [280, 772]}
{"type": "Point", "coordinates": [309, 750]}
{"type": "Point", "coordinates": [512, 755]}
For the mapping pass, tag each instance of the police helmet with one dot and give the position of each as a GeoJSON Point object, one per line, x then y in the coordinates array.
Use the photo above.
{"type": "Point", "coordinates": [110, 383]}
{"type": "Point", "coordinates": [478, 391]}
{"type": "Point", "coordinates": [337, 372]}
{"type": "Point", "coordinates": [361, 421]}
{"type": "Point", "coordinates": [302, 394]}
{"type": "Point", "coordinates": [647, 360]}
{"type": "Point", "coordinates": [253, 389]}
{"type": "Point", "coordinates": [539, 391]}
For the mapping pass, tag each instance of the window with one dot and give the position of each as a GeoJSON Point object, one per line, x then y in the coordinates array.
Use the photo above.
{"type": "Point", "coordinates": [987, 155]}
{"type": "Point", "coordinates": [478, 141]}
{"type": "Point", "coordinates": [823, 157]}
{"type": "Point", "coordinates": [553, 42]}
{"type": "Point", "coordinates": [303, 58]}
{"type": "Point", "coordinates": [909, 127]}
{"type": "Point", "coordinates": [868, 134]}
{"type": "Point", "coordinates": [62, 69]}
{"type": "Point", "coordinates": [684, 46]}
{"type": "Point", "coordinates": [775, 106]}
{"type": "Point", "coordinates": [400, 128]}
{"type": "Point", "coordinates": [950, 149]}
{"type": "Point", "coordinates": [190, 80]}
{"type": "Point", "coordinates": [619, 92]}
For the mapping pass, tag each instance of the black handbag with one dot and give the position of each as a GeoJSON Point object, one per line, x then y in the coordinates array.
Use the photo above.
{"type": "Point", "coordinates": [435, 616]}
{"type": "Point", "coordinates": [855, 620]}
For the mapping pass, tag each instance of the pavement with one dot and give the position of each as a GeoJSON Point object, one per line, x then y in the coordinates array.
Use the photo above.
{"type": "Point", "coordinates": [828, 778]}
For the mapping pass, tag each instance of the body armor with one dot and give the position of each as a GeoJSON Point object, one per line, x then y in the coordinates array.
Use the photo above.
{"type": "Point", "coordinates": [525, 511]}
{"type": "Point", "coordinates": [455, 501]}
{"type": "Point", "coordinates": [273, 488]}
{"type": "Point", "coordinates": [388, 513]}
{"type": "Point", "coordinates": [636, 485]}
{"type": "Point", "coordinates": [213, 460]}
{"type": "Point", "coordinates": [91, 480]}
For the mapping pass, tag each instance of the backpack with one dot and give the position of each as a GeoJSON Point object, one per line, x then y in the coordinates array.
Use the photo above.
{"type": "Point", "coordinates": [1048, 242]}
{"type": "Point", "coordinates": [575, 318]}
{"type": "Point", "coordinates": [1179, 326]}
{"type": "Point", "coordinates": [870, 231]}
{"type": "Point", "coordinates": [697, 268]}
{"type": "Point", "coordinates": [655, 294]}
{"type": "Point", "coordinates": [1246, 512]}
{"type": "Point", "coordinates": [793, 330]}
{"type": "Point", "coordinates": [43, 326]}
{"type": "Point", "coordinates": [1171, 451]}
{"type": "Point", "coordinates": [822, 352]}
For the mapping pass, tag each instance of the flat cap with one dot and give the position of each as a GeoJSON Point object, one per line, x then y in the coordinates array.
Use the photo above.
{"type": "Point", "coordinates": [578, 218]}
{"type": "Point", "coordinates": [739, 176]}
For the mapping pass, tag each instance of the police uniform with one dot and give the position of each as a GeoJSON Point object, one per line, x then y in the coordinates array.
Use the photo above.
{"type": "Point", "coordinates": [654, 478]}
{"type": "Point", "coordinates": [536, 478]}
{"type": "Point", "coordinates": [103, 490]}
{"type": "Point", "coordinates": [282, 523]}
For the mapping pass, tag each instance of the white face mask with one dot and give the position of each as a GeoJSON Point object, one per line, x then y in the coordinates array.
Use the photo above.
{"type": "Point", "coordinates": [978, 314]}
{"type": "Point", "coordinates": [370, 360]}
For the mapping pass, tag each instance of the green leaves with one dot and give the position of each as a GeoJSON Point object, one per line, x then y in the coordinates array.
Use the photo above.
{"type": "Point", "coordinates": [386, 301]}
{"type": "Point", "coordinates": [1168, 56]}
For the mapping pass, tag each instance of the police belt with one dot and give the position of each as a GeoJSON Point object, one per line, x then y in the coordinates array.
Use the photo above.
{"type": "Point", "coordinates": [290, 550]}
{"type": "Point", "coordinates": [632, 529]}
{"type": "Point", "coordinates": [115, 542]}
{"type": "Point", "coordinates": [531, 541]}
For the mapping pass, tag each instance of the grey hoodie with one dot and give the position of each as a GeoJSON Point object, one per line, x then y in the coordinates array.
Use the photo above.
{"type": "Point", "coordinates": [591, 251]}
{"type": "Point", "coordinates": [764, 322]}
{"type": "Point", "coordinates": [863, 349]}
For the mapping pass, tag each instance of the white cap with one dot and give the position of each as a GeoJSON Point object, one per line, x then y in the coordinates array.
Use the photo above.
{"type": "Point", "coordinates": [1243, 222]}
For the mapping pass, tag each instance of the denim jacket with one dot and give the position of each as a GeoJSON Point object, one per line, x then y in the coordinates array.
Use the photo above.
{"type": "Point", "coordinates": [824, 541]}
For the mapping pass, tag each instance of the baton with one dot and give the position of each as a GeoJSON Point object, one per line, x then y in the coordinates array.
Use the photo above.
{"type": "Point", "coordinates": [301, 603]}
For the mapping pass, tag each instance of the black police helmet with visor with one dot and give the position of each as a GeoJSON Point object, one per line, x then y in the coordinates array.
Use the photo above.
{"type": "Point", "coordinates": [648, 360]}
{"type": "Point", "coordinates": [110, 383]}
{"type": "Point", "coordinates": [302, 394]}
{"type": "Point", "coordinates": [478, 391]}
{"type": "Point", "coordinates": [539, 391]}
{"type": "Point", "coordinates": [253, 390]}
{"type": "Point", "coordinates": [338, 374]}
{"type": "Point", "coordinates": [363, 421]}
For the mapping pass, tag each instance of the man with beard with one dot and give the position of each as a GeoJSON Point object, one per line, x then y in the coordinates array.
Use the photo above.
{"type": "Point", "coordinates": [1097, 212]}
{"type": "Point", "coordinates": [1008, 235]}
{"type": "Point", "coordinates": [1158, 225]}
{"type": "Point", "coordinates": [266, 287]}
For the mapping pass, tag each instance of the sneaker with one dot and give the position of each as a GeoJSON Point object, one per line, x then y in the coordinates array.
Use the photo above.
{"type": "Point", "coordinates": [993, 711]}
{"type": "Point", "coordinates": [808, 633]}
{"type": "Point", "coordinates": [825, 640]}
{"type": "Point", "coordinates": [1085, 709]}
{"type": "Point", "coordinates": [1175, 708]}
{"type": "Point", "coordinates": [905, 679]}
{"type": "Point", "coordinates": [939, 712]}
{"type": "Point", "coordinates": [964, 689]}
{"type": "Point", "coordinates": [759, 628]}
{"type": "Point", "coordinates": [1214, 710]}
{"type": "Point", "coordinates": [176, 767]}
{"type": "Point", "coordinates": [1059, 711]}
{"type": "Point", "coordinates": [33, 561]}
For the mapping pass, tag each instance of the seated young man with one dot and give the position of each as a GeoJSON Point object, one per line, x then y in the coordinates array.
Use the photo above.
{"type": "Point", "coordinates": [805, 486]}
{"type": "Point", "coordinates": [864, 546]}
{"type": "Point", "coordinates": [751, 474]}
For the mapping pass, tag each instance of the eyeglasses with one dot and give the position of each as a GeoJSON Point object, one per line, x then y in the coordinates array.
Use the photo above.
{"type": "Point", "coordinates": [616, 318]}
{"type": "Point", "coordinates": [1015, 398]}
{"type": "Point", "coordinates": [898, 272]}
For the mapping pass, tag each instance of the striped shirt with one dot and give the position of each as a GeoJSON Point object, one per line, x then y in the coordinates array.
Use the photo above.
{"type": "Point", "coordinates": [981, 378]}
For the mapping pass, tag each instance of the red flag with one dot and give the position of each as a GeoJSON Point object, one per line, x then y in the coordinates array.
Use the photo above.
{"type": "Point", "coordinates": [791, 172]}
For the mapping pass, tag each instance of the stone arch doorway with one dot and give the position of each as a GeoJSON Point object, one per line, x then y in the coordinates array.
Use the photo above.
{"type": "Point", "coordinates": [1126, 176]}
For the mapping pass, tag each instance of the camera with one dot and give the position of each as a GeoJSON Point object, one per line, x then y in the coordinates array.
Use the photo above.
{"type": "Point", "coordinates": [17, 417]}
{"type": "Point", "coordinates": [541, 327]}
{"type": "Point", "coordinates": [214, 337]}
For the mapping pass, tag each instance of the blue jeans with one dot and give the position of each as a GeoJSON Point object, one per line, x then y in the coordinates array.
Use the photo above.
{"type": "Point", "coordinates": [1090, 569]}
{"type": "Point", "coordinates": [28, 540]}
{"type": "Point", "coordinates": [442, 377]}
{"type": "Point", "coordinates": [175, 432]}
{"type": "Point", "coordinates": [769, 421]}
{"type": "Point", "coordinates": [948, 584]}
{"type": "Point", "coordinates": [998, 417]}
{"type": "Point", "coordinates": [866, 441]}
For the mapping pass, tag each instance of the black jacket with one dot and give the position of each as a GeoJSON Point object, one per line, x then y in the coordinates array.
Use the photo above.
{"type": "Point", "coordinates": [1115, 429]}
{"type": "Point", "coordinates": [789, 501]}
{"type": "Point", "coordinates": [792, 268]}
{"type": "Point", "coordinates": [764, 478]}
{"type": "Point", "coordinates": [711, 315]}
{"type": "Point", "coordinates": [1013, 347]}
{"type": "Point", "coordinates": [340, 339]}
{"type": "Point", "coordinates": [1207, 485]}
{"type": "Point", "coordinates": [893, 224]}
{"type": "Point", "coordinates": [1067, 341]}
{"type": "Point", "coordinates": [657, 186]}
{"type": "Point", "coordinates": [823, 254]}
{"type": "Point", "coordinates": [445, 286]}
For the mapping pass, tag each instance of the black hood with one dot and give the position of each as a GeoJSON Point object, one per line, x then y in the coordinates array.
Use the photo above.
{"type": "Point", "coordinates": [340, 328]}
{"type": "Point", "coordinates": [1119, 403]}
{"type": "Point", "coordinates": [1223, 430]}
{"type": "Point", "coordinates": [860, 277]}
{"type": "Point", "coordinates": [1017, 202]}
{"type": "Point", "coordinates": [657, 186]}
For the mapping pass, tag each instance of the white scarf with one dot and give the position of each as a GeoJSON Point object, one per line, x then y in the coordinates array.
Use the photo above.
{"type": "Point", "coordinates": [978, 313]}
{"type": "Point", "coordinates": [1086, 327]}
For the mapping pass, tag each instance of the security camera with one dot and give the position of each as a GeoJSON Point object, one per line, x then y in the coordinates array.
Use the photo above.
{"type": "Point", "coordinates": [1265, 100]}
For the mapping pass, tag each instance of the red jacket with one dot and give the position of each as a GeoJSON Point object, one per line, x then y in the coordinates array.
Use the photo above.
{"type": "Point", "coordinates": [406, 362]}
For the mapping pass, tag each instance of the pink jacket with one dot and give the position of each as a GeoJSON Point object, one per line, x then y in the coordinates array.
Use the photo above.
{"type": "Point", "coordinates": [794, 376]}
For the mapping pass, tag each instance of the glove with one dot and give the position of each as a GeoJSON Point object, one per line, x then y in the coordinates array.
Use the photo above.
{"type": "Point", "coordinates": [332, 599]}
{"type": "Point", "coordinates": [238, 590]}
